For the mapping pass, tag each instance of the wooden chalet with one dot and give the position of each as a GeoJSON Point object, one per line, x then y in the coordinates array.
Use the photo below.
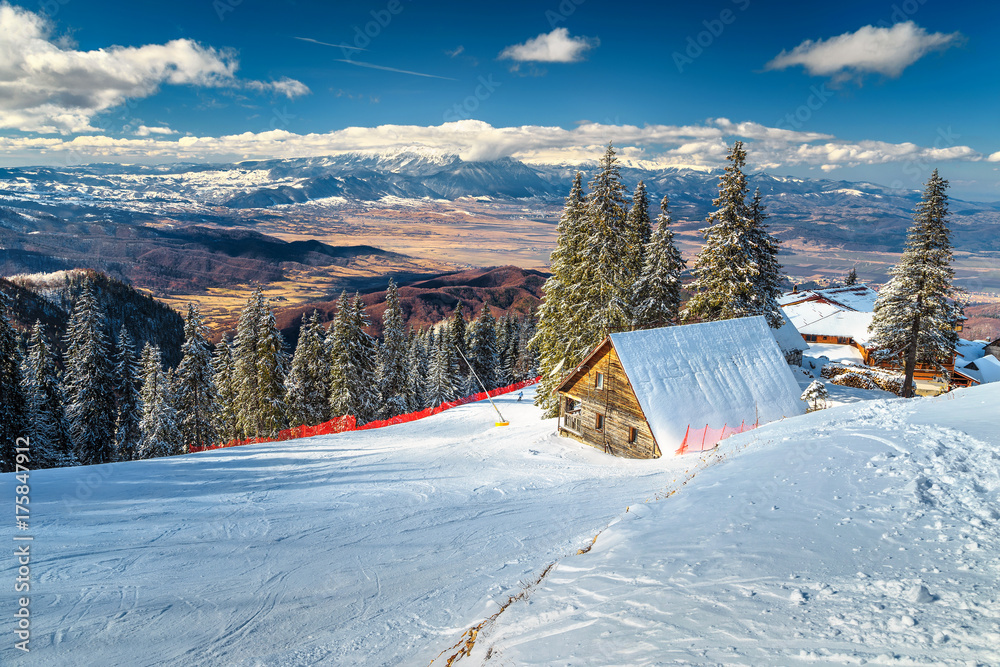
{"type": "Point", "coordinates": [637, 393]}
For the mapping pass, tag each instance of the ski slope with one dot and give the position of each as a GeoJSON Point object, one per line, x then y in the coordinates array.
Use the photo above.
{"type": "Point", "coordinates": [863, 533]}
{"type": "Point", "coordinates": [367, 548]}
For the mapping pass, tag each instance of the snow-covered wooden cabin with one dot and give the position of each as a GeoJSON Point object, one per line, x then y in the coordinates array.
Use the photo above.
{"type": "Point", "coordinates": [637, 392]}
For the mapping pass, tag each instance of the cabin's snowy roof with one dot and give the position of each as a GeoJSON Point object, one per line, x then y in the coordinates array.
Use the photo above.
{"type": "Point", "coordinates": [714, 374]}
{"type": "Point", "coordinates": [969, 350]}
{"type": "Point", "coordinates": [860, 298]}
{"type": "Point", "coordinates": [845, 323]}
{"type": "Point", "coordinates": [985, 369]}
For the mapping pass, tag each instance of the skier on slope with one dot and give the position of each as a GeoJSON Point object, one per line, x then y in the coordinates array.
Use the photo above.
{"type": "Point", "coordinates": [520, 395]}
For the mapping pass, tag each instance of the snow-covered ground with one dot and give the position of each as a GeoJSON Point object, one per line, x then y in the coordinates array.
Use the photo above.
{"type": "Point", "coordinates": [805, 541]}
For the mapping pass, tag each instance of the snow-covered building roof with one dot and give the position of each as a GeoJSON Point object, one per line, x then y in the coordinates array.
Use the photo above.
{"type": "Point", "coordinates": [860, 297]}
{"type": "Point", "coordinates": [983, 370]}
{"type": "Point", "coordinates": [714, 373]}
{"type": "Point", "coordinates": [844, 323]}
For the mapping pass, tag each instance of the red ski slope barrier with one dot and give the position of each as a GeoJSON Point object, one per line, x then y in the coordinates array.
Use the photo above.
{"type": "Point", "coordinates": [706, 438]}
{"type": "Point", "coordinates": [348, 423]}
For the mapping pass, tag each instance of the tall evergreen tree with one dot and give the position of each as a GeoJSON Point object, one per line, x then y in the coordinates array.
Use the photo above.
{"type": "Point", "coordinates": [160, 433]}
{"type": "Point", "coordinates": [49, 431]}
{"type": "Point", "coordinates": [562, 338]}
{"type": "Point", "coordinates": [852, 277]}
{"type": "Point", "coordinates": [13, 403]}
{"type": "Point", "coordinates": [247, 400]}
{"type": "Point", "coordinates": [638, 233]}
{"type": "Point", "coordinates": [418, 362]}
{"type": "Point", "coordinates": [129, 403]}
{"type": "Point", "coordinates": [767, 277]}
{"type": "Point", "coordinates": [658, 290]}
{"type": "Point", "coordinates": [89, 383]}
{"type": "Point", "coordinates": [736, 273]}
{"type": "Point", "coordinates": [442, 373]}
{"type": "Point", "coordinates": [306, 395]}
{"type": "Point", "coordinates": [483, 348]}
{"type": "Point", "coordinates": [916, 313]}
{"type": "Point", "coordinates": [353, 390]}
{"type": "Point", "coordinates": [607, 294]}
{"type": "Point", "coordinates": [272, 366]}
{"type": "Point", "coordinates": [527, 361]}
{"type": "Point", "coordinates": [458, 334]}
{"type": "Point", "coordinates": [196, 396]}
{"type": "Point", "coordinates": [226, 416]}
{"type": "Point", "coordinates": [392, 357]}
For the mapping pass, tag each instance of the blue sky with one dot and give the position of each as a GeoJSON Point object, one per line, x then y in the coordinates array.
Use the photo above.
{"type": "Point", "coordinates": [671, 83]}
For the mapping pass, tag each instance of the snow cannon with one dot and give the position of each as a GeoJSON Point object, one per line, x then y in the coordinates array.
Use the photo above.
{"type": "Point", "coordinates": [503, 423]}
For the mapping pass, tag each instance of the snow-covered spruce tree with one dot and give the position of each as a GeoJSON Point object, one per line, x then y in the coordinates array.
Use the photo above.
{"type": "Point", "coordinates": [225, 417]}
{"type": "Point", "coordinates": [89, 382]}
{"type": "Point", "coordinates": [483, 348]}
{"type": "Point", "coordinates": [160, 433]}
{"type": "Point", "coordinates": [13, 403]}
{"type": "Point", "coordinates": [306, 394]}
{"type": "Point", "coordinates": [417, 364]}
{"type": "Point", "coordinates": [658, 290]}
{"type": "Point", "coordinates": [129, 403]}
{"type": "Point", "coordinates": [442, 373]}
{"type": "Point", "coordinates": [562, 338]}
{"type": "Point", "coordinates": [638, 233]}
{"type": "Point", "coordinates": [364, 353]}
{"type": "Point", "coordinates": [458, 335]}
{"type": "Point", "coordinates": [272, 366]}
{"type": "Point", "coordinates": [852, 277]}
{"type": "Point", "coordinates": [606, 295]}
{"type": "Point", "coordinates": [246, 397]}
{"type": "Point", "coordinates": [768, 278]}
{"type": "Point", "coordinates": [527, 361]}
{"type": "Point", "coordinates": [196, 396]}
{"type": "Point", "coordinates": [815, 395]}
{"type": "Point", "coordinates": [916, 312]}
{"type": "Point", "coordinates": [735, 271]}
{"type": "Point", "coordinates": [392, 355]}
{"type": "Point", "coordinates": [49, 431]}
{"type": "Point", "coordinates": [352, 363]}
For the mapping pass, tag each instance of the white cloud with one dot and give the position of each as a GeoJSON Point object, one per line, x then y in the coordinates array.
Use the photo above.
{"type": "Point", "coordinates": [145, 131]}
{"type": "Point", "coordinates": [47, 87]}
{"type": "Point", "coordinates": [701, 145]}
{"type": "Point", "coordinates": [886, 51]}
{"type": "Point", "coordinates": [994, 157]}
{"type": "Point", "coordinates": [290, 88]}
{"type": "Point", "coordinates": [554, 47]}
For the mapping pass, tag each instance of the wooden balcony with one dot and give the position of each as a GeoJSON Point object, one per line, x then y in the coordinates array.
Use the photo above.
{"type": "Point", "coordinates": [571, 422]}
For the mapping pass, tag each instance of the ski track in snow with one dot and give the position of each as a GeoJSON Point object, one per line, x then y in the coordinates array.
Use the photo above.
{"type": "Point", "coordinates": [374, 547]}
{"type": "Point", "coordinates": [866, 533]}
{"type": "Point", "coordinates": [862, 534]}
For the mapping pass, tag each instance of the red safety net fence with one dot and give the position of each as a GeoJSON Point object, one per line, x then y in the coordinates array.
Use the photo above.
{"type": "Point", "coordinates": [349, 423]}
{"type": "Point", "coordinates": [703, 439]}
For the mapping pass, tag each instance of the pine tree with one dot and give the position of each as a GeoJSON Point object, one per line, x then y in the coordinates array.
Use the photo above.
{"type": "Point", "coordinates": [353, 390]}
{"type": "Point", "coordinates": [607, 293]}
{"type": "Point", "coordinates": [852, 277]}
{"type": "Point", "coordinates": [418, 363]}
{"type": "Point", "coordinates": [272, 366]}
{"type": "Point", "coordinates": [222, 364]}
{"type": "Point", "coordinates": [815, 395]}
{"type": "Point", "coordinates": [483, 348]}
{"type": "Point", "coordinates": [916, 313]}
{"type": "Point", "coordinates": [392, 356]}
{"type": "Point", "coordinates": [307, 396]}
{"type": "Point", "coordinates": [768, 277]}
{"type": "Point", "coordinates": [160, 433]}
{"type": "Point", "coordinates": [49, 431]}
{"type": "Point", "coordinates": [129, 403]}
{"type": "Point", "coordinates": [457, 334]}
{"type": "Point", "coordinates": [89, 383]}
{"type": "Point", "coordinates": [13, 402]}
{"type": "Point", "coordinates": [526, 366]}
{"type": "Point", "coordinates": [246, 398]}
{"type": "Point", "coordinates": [442, 372]}
{"type": "Point", "coordinates": [736, 273]}
{"type": "Point", "coordinates": [197, 398]}
{"type": "Point", "coordinates": [638, 233]}
{"type": "Point", "coordinates": [563, 338]}
{"type": "Point", "coordinates": [658, 290]}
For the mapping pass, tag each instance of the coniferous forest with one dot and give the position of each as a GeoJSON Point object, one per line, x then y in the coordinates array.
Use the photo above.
{"type": "Point", "coordinates": [105, 399]}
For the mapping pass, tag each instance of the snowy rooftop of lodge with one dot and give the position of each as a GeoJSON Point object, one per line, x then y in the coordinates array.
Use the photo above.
{"type": "Point", "coordinates": [858, 297]}
{"type": "Point", "coordinates": [714, 374]}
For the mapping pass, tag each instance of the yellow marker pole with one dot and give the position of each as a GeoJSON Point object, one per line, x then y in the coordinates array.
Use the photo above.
{"type": "Point", "coordinates": [502, 422]}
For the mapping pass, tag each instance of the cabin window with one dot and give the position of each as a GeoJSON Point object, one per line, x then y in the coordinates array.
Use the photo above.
{"type": "Point", "coordinates": [633, 434]}
{"type": "Point", "coordinates": [571, 406]}
{"type": "Point", "coordinates": [599, 423]}
{"type": "Point", "coordinates": [599, 380]}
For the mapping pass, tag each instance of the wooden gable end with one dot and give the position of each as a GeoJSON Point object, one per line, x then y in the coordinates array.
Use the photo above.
{"type": "Point", "coordinates": [622, 427]}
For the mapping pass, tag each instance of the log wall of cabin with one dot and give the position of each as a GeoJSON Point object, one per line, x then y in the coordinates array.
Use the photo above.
{"type": "Point", "coordinates": [616, 401]}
